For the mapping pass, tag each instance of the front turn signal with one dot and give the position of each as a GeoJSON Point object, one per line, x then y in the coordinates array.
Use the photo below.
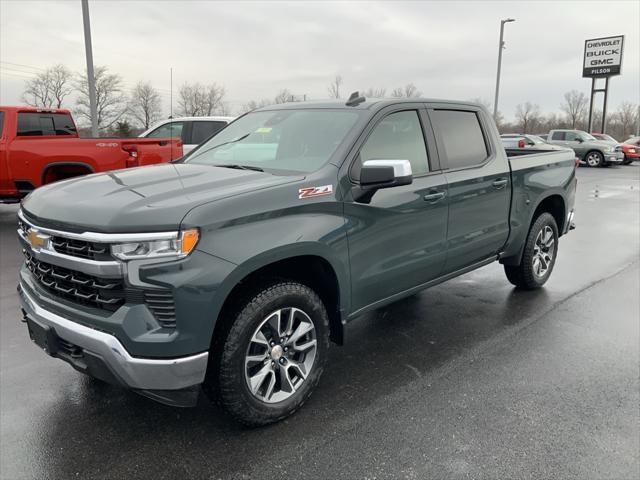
{"type": "Point", "coordinates": [188, 240]}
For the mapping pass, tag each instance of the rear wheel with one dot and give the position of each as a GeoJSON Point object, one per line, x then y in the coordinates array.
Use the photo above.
{"type": "Point", "coordinates": [594, 159]}
{"type": "Point", "coordinates": [539, 256]}
{"type": "Point", "coordinates": [273, 354]}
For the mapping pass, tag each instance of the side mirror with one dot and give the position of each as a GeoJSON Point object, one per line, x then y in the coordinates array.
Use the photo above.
{"type": "Point", "coordinates": [377, 174]}
{"type": "Point", "coordinates": [579, 140]}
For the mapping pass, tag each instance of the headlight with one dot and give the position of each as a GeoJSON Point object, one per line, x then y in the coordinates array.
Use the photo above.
{"type": "Point", "coordinates": [177, 246]}
{"type": "Point", "coordinates": [610, 149]}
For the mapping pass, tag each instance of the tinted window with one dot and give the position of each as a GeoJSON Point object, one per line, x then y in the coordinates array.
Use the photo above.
{"type": "Point", "coordinates": [33, 124]}
{"type": "Point", "coordinates": [168, 130]}
{"type": "Point", "coordinates": [64, 125]}
{"type": "Point", "coordinates": [1, 122]}
{"type": "Point", "coordinates": [398, 137]}
{"type": "Point", "coordinates": [461, 137]}
{"type": "Point", "coordinates": [558, 136]}
{"type": "Point", "coordinates": [200, 131]}
{"type": "Point", "coordinates": [571, 136]}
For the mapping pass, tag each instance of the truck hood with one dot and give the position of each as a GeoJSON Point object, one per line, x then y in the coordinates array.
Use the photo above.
{"type": "Point", "coordinates": [153, 198]}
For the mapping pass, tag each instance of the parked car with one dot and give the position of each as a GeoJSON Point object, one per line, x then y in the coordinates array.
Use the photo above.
{"type": "Point", "coordinates": [594, 152]}
{"type": "Point", "coordinates": [533, 142]}
{"type": "Point", "coordinates": [543, 136]}
{"type": "Point", "coordinates": [631, 150]}
{"type": "Point", "coordinates": [605, 138]}
{"type": "Point", "coordinates": [40, 146]}
{"type": "Point", "coordinates": [191, 130]}
{"type": "Point", "coordinates": [233, 268]}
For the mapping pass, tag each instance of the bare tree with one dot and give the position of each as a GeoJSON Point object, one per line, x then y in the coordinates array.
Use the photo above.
{"type": "Point", "coordinates": [253, 104]}
{"type": "Point", "coordinates": [334, 87]}
{"type": "Point", "coordinates": [626, 118]}
{"type": "Point", "coordinates": [284, 96]}
{"type": "Point", "coordinates": [214, 100]}
{"type": "Point", "coordinates": [195, 99]}
{"type": "Point", "coordinates": [374, 92]}
{"type": "Point", "coordinates": [574, 106]}
{"type": "Point", "coordinates": [528, 116]}
{"type": "Point", "coordinates": [408, 91]}
{"type": "Point", "coordinates": [49, 88]}
{"type": "Point", "coordinates": [145, 105]}
{"type": "Point", "coordinates": [111, 101]}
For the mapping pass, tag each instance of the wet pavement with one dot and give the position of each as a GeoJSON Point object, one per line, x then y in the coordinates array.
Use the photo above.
{"type": "Point", "coordinates": [470, 379]}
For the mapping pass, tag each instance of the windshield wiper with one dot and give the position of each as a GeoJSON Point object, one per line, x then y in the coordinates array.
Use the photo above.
{"type": "Point", "coordinates": [197, 154]}
{"type": "Point", "coordinates": [240, 167]}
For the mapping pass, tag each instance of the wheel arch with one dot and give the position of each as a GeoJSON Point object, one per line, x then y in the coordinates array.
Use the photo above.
{"type": "Point", "coordinates": [555, 204]}
{"type": "Point", "coordinates": [312, 269]}
{"type": "Point", "coordinates": [65, 164]}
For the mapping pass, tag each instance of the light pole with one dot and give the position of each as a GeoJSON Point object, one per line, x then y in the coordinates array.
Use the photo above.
{"type": "Point", "coordinates": [90, 76]}
{"type": "Point", "coordinates": [500, 48]}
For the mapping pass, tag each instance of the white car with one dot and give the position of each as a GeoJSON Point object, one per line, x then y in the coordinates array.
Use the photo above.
{"type": "Point", "coordinates": [192, 130]}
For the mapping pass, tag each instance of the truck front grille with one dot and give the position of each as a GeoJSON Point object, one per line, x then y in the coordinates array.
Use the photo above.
{"type": "Point", "coordinates": [106, 294]}
{"type": "Point", "coordinates": [81, 248]}
{"type": "Point", "coordinates": [77, 287]}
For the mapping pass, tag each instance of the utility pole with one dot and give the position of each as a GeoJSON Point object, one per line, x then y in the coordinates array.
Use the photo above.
{"type": "Point", "coordinates": [500, 48]}
{"type": "Point", "coordinates": [90, 75]}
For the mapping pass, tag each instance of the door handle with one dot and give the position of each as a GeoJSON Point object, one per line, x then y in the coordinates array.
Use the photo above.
{"type": "Point", "coordinates": [499, 183]}
{"type": "Point", "coordinates": [434, 197]}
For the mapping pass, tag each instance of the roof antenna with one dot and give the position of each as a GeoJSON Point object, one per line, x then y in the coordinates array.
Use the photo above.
{"type": "Point", "coordinates": [355, 99]}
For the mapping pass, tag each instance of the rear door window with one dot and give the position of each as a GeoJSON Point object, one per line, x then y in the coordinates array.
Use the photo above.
{"type": "Point", "coordinates": [200, 131]}
{"type": "Point", "coordinates": [460, 135]}
{"type": "Point", "coordinates": [558, 136]}
{"type": "Point", "coordinates": [571, 136]}
{"type": "Point", "coordinates": [35, 124]}
{"type": "Point", "coordinates": [168, 130]}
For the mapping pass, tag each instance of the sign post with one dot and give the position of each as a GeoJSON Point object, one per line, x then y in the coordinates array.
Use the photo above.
{"type": "Point", "coordinates": [602, 59]}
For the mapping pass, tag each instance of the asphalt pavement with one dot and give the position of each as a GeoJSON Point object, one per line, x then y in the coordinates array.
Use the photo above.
{"type": "Point", "coordinates": [470, 379]}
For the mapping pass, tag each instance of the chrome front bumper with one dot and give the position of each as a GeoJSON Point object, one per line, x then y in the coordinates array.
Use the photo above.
{"type": "Point", "coordinates": [133, 372]}
{"type": "Point", "coordinates": [616, 157]}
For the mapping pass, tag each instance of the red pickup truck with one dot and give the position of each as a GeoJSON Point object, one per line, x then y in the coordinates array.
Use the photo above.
{"type": "Point", "coordinates": [39, 146]}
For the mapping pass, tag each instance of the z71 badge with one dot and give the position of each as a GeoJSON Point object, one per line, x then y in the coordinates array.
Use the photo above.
{"type": "Point", "coordinates": [315, 191]}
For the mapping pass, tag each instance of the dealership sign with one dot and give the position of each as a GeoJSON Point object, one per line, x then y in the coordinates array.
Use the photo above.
{"type": "Point", "coordinates": [602, 56]}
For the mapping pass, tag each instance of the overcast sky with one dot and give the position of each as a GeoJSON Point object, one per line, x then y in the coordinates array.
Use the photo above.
{"type": "Point", "coordinates": [447, 49]}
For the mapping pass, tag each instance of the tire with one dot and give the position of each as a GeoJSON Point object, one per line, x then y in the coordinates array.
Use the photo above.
{"type": "Point", "coordinates": [530, 274]}
{"type": "Point", "coordinates": [627, 161]}
{"type": "Point", "coordinates": [259, 392]}
{"type": "Point", "coordinates": [594, 159]}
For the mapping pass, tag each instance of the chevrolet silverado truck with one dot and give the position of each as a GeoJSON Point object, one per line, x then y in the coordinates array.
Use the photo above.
{"type": "Point", "coordinates": [590, 150]}
{"type": "Point", "coordinates": [40, 146]}
{"type": "Point", "coordinates": [232, 269]}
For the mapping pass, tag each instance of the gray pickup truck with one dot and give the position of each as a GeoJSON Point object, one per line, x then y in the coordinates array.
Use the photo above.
{"type": "Point", "coordinates": [232, 269]}
{"type": "Point", "coordinates": [590, 150]}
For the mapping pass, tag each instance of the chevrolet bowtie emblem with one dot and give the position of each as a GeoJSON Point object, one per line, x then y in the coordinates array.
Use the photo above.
{"type": "Point", "coordinates": [36, 240]}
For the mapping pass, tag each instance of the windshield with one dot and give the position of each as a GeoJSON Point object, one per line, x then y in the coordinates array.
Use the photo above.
{"type": "Point", "coordinates": [586, 137]}
{"type": "Point", "coordinates": [278, 141]}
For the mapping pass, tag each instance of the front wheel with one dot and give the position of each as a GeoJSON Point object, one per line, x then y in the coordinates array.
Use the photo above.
{"type": "Point", "coordinates": [539, 256]}
{"type": "Point", "coordinates": [273, 354]}
{"type": "Point", "coordinates": [594, 159]}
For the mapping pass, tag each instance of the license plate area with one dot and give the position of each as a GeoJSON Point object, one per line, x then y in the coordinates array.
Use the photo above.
{"type": "Point", "coordinates": [43, 335]}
